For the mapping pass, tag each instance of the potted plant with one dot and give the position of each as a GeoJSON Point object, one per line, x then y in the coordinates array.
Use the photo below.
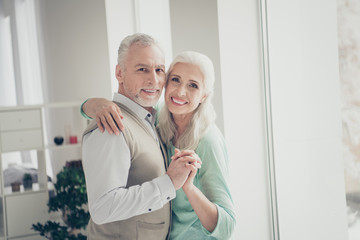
{"type": "Point", "coordinates": [71, 199]}
{"type": "Point", "coordinates": [27, 181]}
{"type": "Point", "coordinates": [15, 186]}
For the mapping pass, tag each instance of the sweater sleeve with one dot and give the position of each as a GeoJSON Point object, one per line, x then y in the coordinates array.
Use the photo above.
{"type": "Point", "coordinates": [213, 179]}
{"type": "Point", "coordinates": [82, 112]}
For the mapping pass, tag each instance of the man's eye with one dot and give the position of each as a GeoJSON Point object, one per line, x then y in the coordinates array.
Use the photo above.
{"type": "Point", "coordinates": [142, 69]}
{"type": "Point", "coordinates": [160, 70]}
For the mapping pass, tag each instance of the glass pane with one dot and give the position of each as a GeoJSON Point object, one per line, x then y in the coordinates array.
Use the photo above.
{"type": "Point", "coordinates": [7, 75]}
{"type": "Point", "coordinates": [15, 165]}
{"type": "Point", "coordinates": [28, 49]}
{"type": "Point", "coordinates": [349, 60]}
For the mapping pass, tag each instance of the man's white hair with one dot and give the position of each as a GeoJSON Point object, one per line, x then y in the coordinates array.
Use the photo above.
{"type": "Point", "coordinates": [141, 39]}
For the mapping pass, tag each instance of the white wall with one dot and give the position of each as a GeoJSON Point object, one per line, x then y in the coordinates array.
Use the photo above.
{"type": "Point", "coordinates": [120, 22]}
{"type": "Point", "coordinates": [75, 49]}
{"type": "Point", "coordinates": [194, 26]}
{"type": "Point", "coordinates": [74, 63]}
{"type": "Point", "coordinates": [126, 17]}
{"type": "Point", "coordinates": [306, 119]}
{"type": "Point", "coordinates": [244, 119]}
{"type": "Point", "coordinates": [153, 17]}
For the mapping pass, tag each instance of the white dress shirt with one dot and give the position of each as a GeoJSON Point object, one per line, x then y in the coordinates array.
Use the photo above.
{"type": "Point", "coordinates": [107, 160]}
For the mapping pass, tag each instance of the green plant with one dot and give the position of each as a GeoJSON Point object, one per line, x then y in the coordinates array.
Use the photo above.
{"type": "Point", "coordinates": [70, 198]}
{"type": "Point", "coordinates": [27, 181]}
{"type": "Point", "coordinates": [27, 177]}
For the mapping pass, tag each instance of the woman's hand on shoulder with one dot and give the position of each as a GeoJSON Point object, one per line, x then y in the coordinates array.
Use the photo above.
{"type": "Point", "coordinates": [106, 113]}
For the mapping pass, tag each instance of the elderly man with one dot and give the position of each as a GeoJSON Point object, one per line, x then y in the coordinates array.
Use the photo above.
{"type": "Point", "coordinates": [128, 186]}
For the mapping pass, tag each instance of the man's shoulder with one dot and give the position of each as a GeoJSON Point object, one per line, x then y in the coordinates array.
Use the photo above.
{"type": "Point", "coordinates": [91, 127]}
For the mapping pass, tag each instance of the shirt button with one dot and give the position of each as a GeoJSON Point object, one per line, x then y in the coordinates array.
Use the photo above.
{"type": "Point", "coordinates": [168, 198]}
{"type": "Point", "coordinates": [149, 209]}
{"type": "Point", "coordinates": [149, 115]}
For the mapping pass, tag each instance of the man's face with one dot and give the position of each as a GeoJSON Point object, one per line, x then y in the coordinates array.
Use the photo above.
{"type": "Point", "coordinates": [144, 75]}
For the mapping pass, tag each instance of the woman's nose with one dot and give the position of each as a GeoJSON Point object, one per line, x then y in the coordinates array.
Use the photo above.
{"type": "Point", "coordinates": [182, 91]}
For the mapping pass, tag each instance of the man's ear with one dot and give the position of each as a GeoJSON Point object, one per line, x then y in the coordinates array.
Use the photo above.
{"type": "Point", "coordinates": [119, 74]}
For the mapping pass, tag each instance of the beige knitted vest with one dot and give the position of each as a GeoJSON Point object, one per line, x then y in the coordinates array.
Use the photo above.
{"type": "Point", "coordinates": [148, 161]}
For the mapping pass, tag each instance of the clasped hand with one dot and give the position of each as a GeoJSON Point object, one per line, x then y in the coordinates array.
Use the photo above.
{"type": "Point", "coordinates": [183, 167]}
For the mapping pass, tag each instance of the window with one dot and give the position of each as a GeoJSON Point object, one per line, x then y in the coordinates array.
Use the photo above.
{"type": "Point", "coordinates": [7, 75]}
{"type": "Point", "coordinates": [19, 63]}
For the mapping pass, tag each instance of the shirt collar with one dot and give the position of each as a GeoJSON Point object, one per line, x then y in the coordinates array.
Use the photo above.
{"type": "Point", "coordinates": [139, 111]}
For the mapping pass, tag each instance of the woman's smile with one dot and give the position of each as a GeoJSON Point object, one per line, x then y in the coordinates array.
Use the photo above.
{"type": "Point", "coordinates": [178, 101]}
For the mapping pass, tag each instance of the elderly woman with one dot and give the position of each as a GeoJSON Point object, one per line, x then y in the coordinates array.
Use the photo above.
{"type": "Point", "coordinates": [203, 208]}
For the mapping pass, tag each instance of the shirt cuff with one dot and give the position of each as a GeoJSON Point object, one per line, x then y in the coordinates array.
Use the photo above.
{"type": "Point", "coordinates": [166, 187]}
{"type": "Point", "coordinates": [82, 112]}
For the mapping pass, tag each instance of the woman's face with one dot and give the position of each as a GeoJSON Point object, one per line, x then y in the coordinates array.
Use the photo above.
{"type": "Point", "coordinates": [185, 89]}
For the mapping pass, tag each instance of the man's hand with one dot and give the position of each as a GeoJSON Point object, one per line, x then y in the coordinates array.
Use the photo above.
{"type": "Point", "coordinates": [106, 113]}
{"type": "Point", "coordinates": [182, 164]}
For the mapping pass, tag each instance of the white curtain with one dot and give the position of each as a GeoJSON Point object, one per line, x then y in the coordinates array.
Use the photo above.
{"type": "Point", "coordinates": [20, 78]}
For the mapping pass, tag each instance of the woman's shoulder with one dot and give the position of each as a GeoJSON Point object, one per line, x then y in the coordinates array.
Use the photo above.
{"type": "Point", "coordinates": [212, 137]}
{"type": "Point", "coordinates": [212, 149]}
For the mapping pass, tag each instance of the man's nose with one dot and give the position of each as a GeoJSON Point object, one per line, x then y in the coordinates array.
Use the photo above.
{"type": "Point", "coordinates": [153, 77]}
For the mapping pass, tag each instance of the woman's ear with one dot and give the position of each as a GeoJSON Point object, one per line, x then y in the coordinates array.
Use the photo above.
{"type": "Point", "coordinates": [203, 98]}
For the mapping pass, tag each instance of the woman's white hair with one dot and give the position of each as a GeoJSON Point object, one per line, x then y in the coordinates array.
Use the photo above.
{"type": "Point", "coordinates": [204, 114]}
{"type": "Point", "coordinates": [141, 39]}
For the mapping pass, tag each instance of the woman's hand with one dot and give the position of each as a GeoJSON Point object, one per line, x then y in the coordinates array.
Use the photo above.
{"type": "Point", "coordinates": [205, 210]}
{"type": "Point", "coordinates": [189, 183]}
{"type": "Point", "coordinates": [106, 113]}
{"type": "Point", "coordinates": [191, 157]}
{"type": "Point", "coordinates": [179, 170]}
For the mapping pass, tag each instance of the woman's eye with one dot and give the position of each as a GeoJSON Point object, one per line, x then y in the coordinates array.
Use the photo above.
{"type": "Point", "coordinates": [175, 79]}
{"type": "Point", "coordinates": [193, 85]}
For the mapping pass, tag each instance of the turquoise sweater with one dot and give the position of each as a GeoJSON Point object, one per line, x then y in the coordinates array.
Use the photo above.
{"type": "Point", "coordinates": [211, 179]}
